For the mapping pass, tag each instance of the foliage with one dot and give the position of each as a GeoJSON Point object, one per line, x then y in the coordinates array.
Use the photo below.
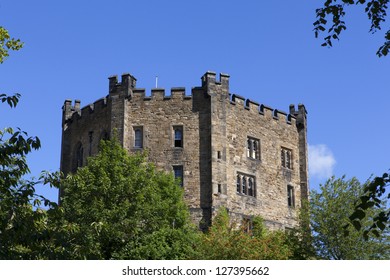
{"type": "Point", "coordinates": [226, 241]}
{"type": "Point", "coordinates": [376, 11]}
{"type": "Point", "coordinates": [371, 199]}
{"type": "Point", "coordinates": [120, 207]}
{"type": "Point", "coordinates": [21, 227]}
{"type": "Point", "coordinates": [7, 43]}
{"type": "Point", "coordinates": [300, 239]}
{"type": "Point", "coordinates": [329, 212]}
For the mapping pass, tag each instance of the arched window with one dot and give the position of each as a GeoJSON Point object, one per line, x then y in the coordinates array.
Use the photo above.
{"type": "Point", "coordinates": [253, 148]}
{"type": "Point", "coordinates": [78, 157]}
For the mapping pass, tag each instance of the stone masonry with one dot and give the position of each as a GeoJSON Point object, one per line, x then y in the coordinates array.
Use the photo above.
{"type": "Point", "coordinates": [228, 151]}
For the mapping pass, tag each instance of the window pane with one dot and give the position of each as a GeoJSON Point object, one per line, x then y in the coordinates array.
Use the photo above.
{"type": "Point", "coordinates": [138, 138]}
{"type": "Point", "coordinates": [178, 171]}
{"type": "Point", "coordinates": [178, 137]}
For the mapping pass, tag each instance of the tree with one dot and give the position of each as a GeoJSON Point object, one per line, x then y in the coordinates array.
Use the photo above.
{"type": "Point", "coordinates": [120, 207]}
{"type": "Point", "coordinates": [226, 241]}
{"type": "Point", "coordinates": [7, 43]}
{"type": "Point", "coordinates": [373, 197]}
{"type": "Point", "coordinates": [24, 228]}
{"type": "Point", "coordinates": [300, 238]}
{"type": "Point", "coordinates": [376, 11]}
{"type": "Point", "coordinates": [329, 211]}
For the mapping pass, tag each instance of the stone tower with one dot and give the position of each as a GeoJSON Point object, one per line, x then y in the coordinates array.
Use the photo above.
{"type": "Point", "coordinates": [229, 151]}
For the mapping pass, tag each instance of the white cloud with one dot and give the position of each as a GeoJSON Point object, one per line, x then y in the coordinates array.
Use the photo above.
{"type": "Point", "coordinates": [321, 161]}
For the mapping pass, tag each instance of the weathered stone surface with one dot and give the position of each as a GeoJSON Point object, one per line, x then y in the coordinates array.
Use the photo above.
{"type": "Point", "coordinates": [215, 127]}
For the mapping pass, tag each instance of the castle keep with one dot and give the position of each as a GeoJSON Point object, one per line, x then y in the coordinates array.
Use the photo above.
{"type": "Point", "coordinates": [228, 151]}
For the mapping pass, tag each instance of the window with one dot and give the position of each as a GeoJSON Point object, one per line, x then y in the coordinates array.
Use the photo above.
{"type": "Point", "coordinates": [138, 137]}
{"type": "Point", "coordinates": [286, 158]}
{"type": "Point", "coordinates": [246, 185]}
{"type": "Point", "coordinates": [78, 157]}
{"type": "Point", "coordinates": [290, 196]}
{"type": "Point", "coordinates": [250, 186]}
{"type": "Point", "coordinates": [247, 225]}
{"type": "Point", "coordinates": [178, 171]}
{"type": "Point", "coordinates": [178, 133]}
{"type": "Point", "coordinates": [90, 134]}
{"type": "Point", "coordinates": [253, 148]}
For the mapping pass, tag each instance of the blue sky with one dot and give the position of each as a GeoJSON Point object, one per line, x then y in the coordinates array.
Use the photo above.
{"type": "Point", "coordinates": [267, 47]}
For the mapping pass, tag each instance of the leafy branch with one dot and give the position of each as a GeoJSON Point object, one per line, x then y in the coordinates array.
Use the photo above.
{"type": "Point", "coordinates": [376, 11]}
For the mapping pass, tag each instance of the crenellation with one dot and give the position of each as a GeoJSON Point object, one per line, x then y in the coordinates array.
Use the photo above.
{"type": "Point", "coordinates": [77, 105]}
{"type": "Point", "coordinates": [178, 92]}
{"type": "Point", "coordinates": [252, 105]}
{"type": "Point", "coordinates": [139, 94]}
{"type": "Point", "coordinates": [158, 94]}
{"type": "Point", "coordinates": [212, 134]}
{"type": "Point", "coordinates": [238, 100]}
{"type": "Point", "coordinates": [266, 111]}
{"type": "Point", "coordinates": [113, 82]}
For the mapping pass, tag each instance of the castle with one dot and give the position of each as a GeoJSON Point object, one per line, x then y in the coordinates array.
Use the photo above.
{"type": "Point", "coordinates": [226, 150]}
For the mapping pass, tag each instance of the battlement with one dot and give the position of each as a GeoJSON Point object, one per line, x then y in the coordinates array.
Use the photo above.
{"type": "Point", "coordinates": [127, 83]}
{"type": "Point", "coordinates": [264, 110]}
{"type": "Point", "coordinates": [158, 94]}
{"type": "Point", "coordinates": [210, 84]}
{"type": "Point", "coordinates": [71, 112]}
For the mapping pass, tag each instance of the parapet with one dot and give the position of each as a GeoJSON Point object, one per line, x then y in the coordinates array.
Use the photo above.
{"type": "Point", "coordinates": [262, 109]}
{"type": "Point", "coordinates": [127, 89]}
{"type": "Point", "coordinates": [209, 81]}
{"type": "Point", "coordinates": [127, 83]}
{"type": "Point", "coordinates": [71, 112]}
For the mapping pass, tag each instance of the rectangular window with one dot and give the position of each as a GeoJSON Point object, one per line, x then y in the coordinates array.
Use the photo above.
{"type": "Point", "coordinates": [290, 196]}
{"type": "Point", "coordinates": [247, 225]}
{"type": "Point", "coordinates": [178, 136]}
{"type": "Point", "coordinates": [286, 158]}
{"type": "Point", "coordinates": [178, 171]}
{"type": "Point", "coordinates": [138, 137]}
{"type": "Point", "coordinates": [253, 148]}
{"type": "Point", "coordinates": [246, 185]}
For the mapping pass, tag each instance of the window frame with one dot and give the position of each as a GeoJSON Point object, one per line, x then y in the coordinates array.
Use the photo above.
{"type": "Point", "coordinates": [176, 143]}
{"type": "Point", "coordinates": [253, 148]}
{"type": "Point", "coordinates": [286, 158]}
{"type": "Point", "coordinates": [290, 196]}
{"type": "Point", "coordinates": [242, 185]}
{"type": "Point", "coordinates": [138, 139]}
{"type": "Point", "coordinates": [179, 168]}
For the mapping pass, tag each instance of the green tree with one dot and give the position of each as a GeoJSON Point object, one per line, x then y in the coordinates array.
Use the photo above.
{"type": "Point", "coordinates": [7, 43]}
{"type": "Point", "coordinates": [120, 207]}
{"type": "Point", "coordinates": [376, 11]}
{"type": "Point", "coordinates": [373, 197]}
{"type": "Point", "coordinates": [329, 212]}
{"type": "Point", "coordinates": [300, 239]}
{"type": "Point", "coordinates": [20, 225]}
{"type": "Point", "coordinates": [226, 241]}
